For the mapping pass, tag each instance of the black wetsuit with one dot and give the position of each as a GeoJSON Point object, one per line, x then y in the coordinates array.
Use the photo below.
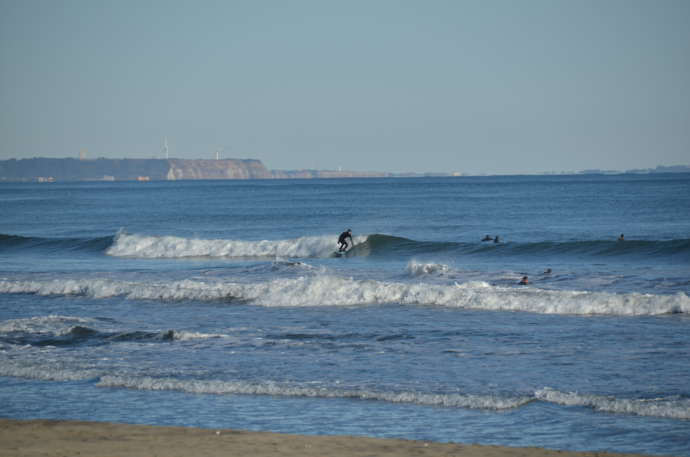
{"type": "Point", "coordinates": [342, 240]}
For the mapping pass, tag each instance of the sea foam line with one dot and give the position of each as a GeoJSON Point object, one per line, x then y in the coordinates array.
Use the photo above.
{"type": "Point", "coordinates": [46, 371]}
{"type": "Point", "coordinates": [287, 390]}
{"type": "Point", "coordinates": [675, 408]}
{"type": "Point", "coordinates": [324, 290]}
{"type": "Point", "coordinates": [669, 407]}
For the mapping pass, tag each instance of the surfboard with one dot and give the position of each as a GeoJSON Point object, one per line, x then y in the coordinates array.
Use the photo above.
{"type": "Point", "coordinates": [339, 253]}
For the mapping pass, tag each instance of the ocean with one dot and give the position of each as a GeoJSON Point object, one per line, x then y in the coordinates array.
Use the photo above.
{"type": "Point", "coordinates": [221, 304]}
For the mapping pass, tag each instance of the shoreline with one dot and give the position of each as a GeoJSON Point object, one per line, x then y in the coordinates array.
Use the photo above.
{"type": "Point", "coordinates": [43, 437]}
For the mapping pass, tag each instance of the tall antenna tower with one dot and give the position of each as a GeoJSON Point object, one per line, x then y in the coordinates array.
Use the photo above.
{"type": "Point", "coordinates": [217, 154]}
{"type": "Point", "coordinates": [165, 147]}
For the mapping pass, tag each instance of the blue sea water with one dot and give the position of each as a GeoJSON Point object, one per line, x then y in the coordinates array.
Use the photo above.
{"type": "Point", "coordinates": [220, 304]}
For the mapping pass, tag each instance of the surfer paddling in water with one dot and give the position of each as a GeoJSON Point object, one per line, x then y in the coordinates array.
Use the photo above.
{"type": "Point", "coordinates": [342, 240]}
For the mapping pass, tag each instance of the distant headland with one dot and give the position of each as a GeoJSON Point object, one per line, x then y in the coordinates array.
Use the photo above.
{"type": "Point", "coordinates": [71, 169]}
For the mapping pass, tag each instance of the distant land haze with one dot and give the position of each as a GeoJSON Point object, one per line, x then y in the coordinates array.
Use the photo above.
{"type": "Point", "coordinates": [70, 169]}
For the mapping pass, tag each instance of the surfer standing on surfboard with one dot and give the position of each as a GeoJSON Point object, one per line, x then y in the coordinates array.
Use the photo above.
{"type": "Point", "coordinates": [342, 240]}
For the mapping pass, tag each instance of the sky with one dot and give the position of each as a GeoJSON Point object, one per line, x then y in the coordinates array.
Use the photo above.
{"type": "Point", "coordinates": [485, 86]}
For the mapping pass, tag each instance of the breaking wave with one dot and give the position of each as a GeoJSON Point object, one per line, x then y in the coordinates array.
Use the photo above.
{"type": "Point", "coordinates": [167, 247]}
{"type": "Point", "coordinates": [675, 407]}
{"type": "Point", "coordinates": [324, 290]}
{"type": "Point", "coordinates": [157, 247]}
{"type": "Point", "coordinates": [288, 390]}
{"type": "Point", "coordinates": [145, 246]}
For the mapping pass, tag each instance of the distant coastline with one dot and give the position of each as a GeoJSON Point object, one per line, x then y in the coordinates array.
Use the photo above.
{"type": "Point", "coordinates": [70, 169]}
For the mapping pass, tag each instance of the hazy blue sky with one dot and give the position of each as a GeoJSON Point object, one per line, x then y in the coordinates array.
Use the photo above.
{"type": "Point", "coordinates": [428, 85]}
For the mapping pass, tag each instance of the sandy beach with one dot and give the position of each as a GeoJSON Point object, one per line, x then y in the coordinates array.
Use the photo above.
{"type": "Point", "coordinates": [58, 438]}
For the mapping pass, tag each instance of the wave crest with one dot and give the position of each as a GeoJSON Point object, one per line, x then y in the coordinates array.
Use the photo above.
{"type": "Point", "coordinates": [159, 247]}
{"type": "Point", "coordinates": [675, 408]}
{"type": "Point", "coordinates": [323, 290]}
{"type": "Point", "coordinates": [289, 390]}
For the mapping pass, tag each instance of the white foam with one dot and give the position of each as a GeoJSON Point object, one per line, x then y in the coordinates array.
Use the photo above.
{"type": "Point", "coordinates": [669, 407]}
{"type": "Point", "coordinates": [154, 247]}
{"type": "Point", "coordinates": [675, 408]}
{"type": "Point", "coordinates": [415, 268]}
{"type": "Point", "coordinates": [52, 324]}
{"type": "Point", "coordinates": [288, 390]}
{"type": "Point", "coordinates": [189, 336]}
{"type": "Point", "coordinates": [324, 290]}
{"type": "Point", "coordinates": [45, 371]}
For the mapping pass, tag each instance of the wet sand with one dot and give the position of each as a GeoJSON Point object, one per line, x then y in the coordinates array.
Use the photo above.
{"type": "Point", "coordinates": [58, 438]}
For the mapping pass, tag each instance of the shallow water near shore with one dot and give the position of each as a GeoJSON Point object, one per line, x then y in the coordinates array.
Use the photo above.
{"type": "Point", "coordinates": [220, 304]}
